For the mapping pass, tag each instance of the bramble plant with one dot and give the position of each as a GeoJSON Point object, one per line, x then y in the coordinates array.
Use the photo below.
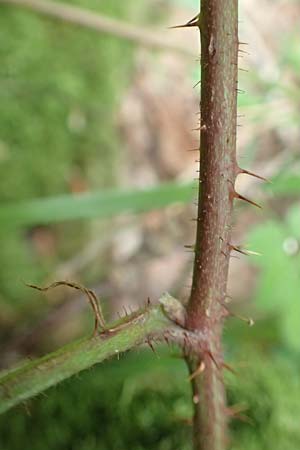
{"type": "Point", "coordinates": [196, 328]}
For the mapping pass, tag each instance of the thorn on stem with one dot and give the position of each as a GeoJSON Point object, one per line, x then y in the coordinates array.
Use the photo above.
{"type": "Point", "coordinates": [151, 346]}
{"type": "Point", "coordinates": [166, 339]}
{"type": "Point", "coordinates": [252, 174]}
{"type": "Point", "coordinates": [194, 22]}
{"type": "Point", "coordinates": [248, 320]}
{"type": "Point", "coordinates": [229, 368]}
{"type": "Point", "coordinates": [241, 197]}
{"type": "Point", "coordinates": [200, 369]}
{"type": "Point", "coordinates": [235, 413]}
{"type": "Point", "coordinates": [211, 356]}
{"type": "Point", "coordinates": [196, 399]}
{"type": "Point", "coordinates": [239, 249]}
{"type": "Point", "coordinates": [243, 51]}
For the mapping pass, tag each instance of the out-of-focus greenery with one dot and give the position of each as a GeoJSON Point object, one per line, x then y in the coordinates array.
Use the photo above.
{"type": "Point", "coordinates": [138, 402]}
{"type": "Point", "coordinates": [95, 204]}
{"type": "Point", "coordinates": [59, 87]}
{"type": "Point", "coordinates": [278, 288]}
{"type": "Point", "coordinates": [57, 102]}
{"type": "Point", "coordinates": [143, 402]}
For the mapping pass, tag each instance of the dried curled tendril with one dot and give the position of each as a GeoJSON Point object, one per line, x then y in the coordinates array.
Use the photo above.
{"type": "Point", "coordinates": [90, 295]}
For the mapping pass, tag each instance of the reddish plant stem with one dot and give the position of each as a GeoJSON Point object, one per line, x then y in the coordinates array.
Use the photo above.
{"type": "Point", "coordinates": [218, 171]}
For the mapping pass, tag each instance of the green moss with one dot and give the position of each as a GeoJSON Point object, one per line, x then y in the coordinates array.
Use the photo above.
{"type": "Point", "coordinates": [59, 87]}
{"type": "Point", "coordinates": [269, 388]}
{"type": "Point", "coordinates": [132, 403]}
{"type": "Point", "coordinates": [143, 402]}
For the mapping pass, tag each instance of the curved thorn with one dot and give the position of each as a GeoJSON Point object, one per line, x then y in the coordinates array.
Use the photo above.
{"type": "Point", "coordinates": [197, 372]}
{"type": "Point", "coordinates": [241, 197]}
{"type": "Point", "coordinates": [166, 339]}
{"type": "Point", "coordinates": [251, 252]}
{"type": "Point", "coordinates": [229, 368]}
{"type": "Point", "coordinates": [252, 174]}
{"type": "Point", "coordinates": [151, 346]}
{"type": "Point", "coordinates": [238, 249]}
{"type": "Point", "coordinates": [211, 356]}
{"type": "Point", "coordinates": [244, 51]}
{"type": "Point", "coordinates": [190, 246]}
{"type": "Point", "coordinates": [186, 25]}
{"type": "Point", "coordinates": [244, 251]}
{"type": "Point", "coordinates": [248, 320]}
{"type": "Point", "coordinates": [236, 412]}
{"type": "Point", "coordinates": [194, 22]}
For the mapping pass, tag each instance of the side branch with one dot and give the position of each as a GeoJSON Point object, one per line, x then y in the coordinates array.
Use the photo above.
{"type": "Point", "coordinates": [163, 321]}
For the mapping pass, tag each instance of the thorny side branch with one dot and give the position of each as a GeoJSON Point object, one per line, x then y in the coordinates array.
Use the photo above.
{"type": "Point", "coordinates": [165, 321]}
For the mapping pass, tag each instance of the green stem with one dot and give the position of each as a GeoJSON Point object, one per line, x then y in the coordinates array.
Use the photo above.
{"type": "Point", "coordinates": [31, 378]}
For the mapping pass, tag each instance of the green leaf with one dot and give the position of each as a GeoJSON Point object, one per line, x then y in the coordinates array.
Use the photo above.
{"type": "Point", "coordinates": [94, 204]}
{"type": "Point", "coordinates": [293, 220]}
{"type": "Point", "coordinates": [286, 184]}
{"type": "Point", "coordinates": [268, 240]}
{"type": "Point", "coordinates": [278, 289]}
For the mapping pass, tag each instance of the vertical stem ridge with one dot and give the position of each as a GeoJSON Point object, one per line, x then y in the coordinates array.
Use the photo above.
{"type": "Point", "coordinates": [218, 170]}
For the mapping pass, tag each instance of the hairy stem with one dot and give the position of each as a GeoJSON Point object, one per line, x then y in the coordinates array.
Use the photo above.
{"type": "Point", "coordinates": [31, 378]}
{"type": "Point", "coordinates": [218, 170]}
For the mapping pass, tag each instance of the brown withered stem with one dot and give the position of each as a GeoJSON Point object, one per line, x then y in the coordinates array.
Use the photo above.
{"type": "Point", "coordinates": [218, 171]}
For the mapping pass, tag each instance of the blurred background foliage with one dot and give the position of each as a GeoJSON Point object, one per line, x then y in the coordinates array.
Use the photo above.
{"type": "Point", "coordinates": [96, 186]}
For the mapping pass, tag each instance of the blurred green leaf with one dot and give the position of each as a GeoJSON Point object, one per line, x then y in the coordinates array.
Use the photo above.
{"type": "Point", "coordinates": [293, 220]}
{"type": "Point", "coordinates": [188, 3]}
{"type": "Point", "coordinates": [290, 52]}
{"type": "Point", "coordinates": [93, 204]}
{"type": "Point", "coordinates": [285, 184]}
{"type": "Point", "coordinates": [278, 289]}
